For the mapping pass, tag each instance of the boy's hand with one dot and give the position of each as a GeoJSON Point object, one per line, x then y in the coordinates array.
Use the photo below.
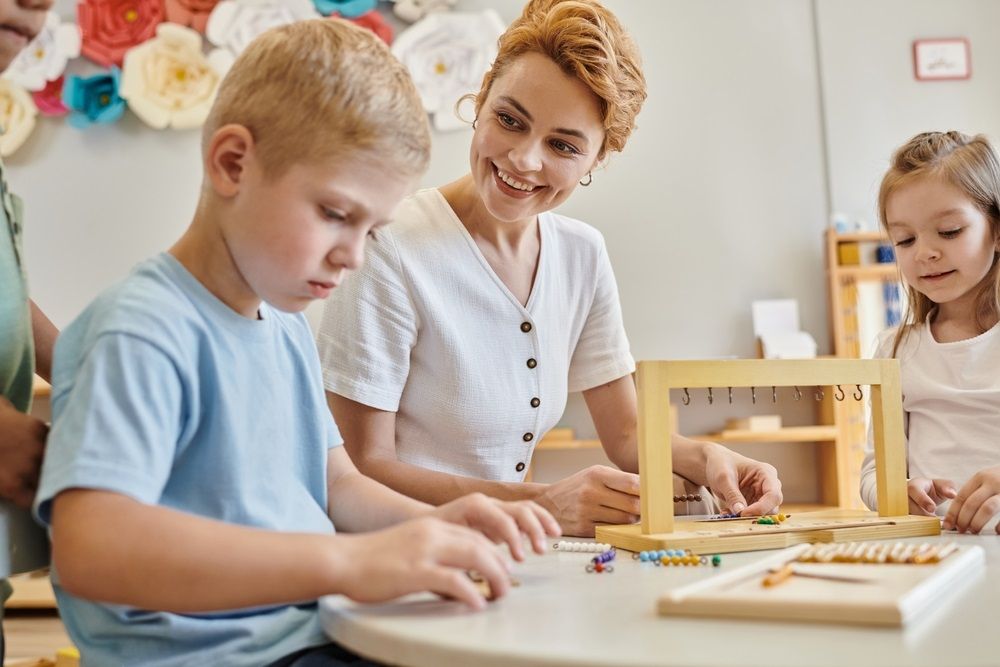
{"type": "Point", "coordinates": [744, 486]}
{"type": "Point", "coordinates": [976, 502]}
{"type": "Point", "coordinates": [598, 494]}
{"type": "Point", "coordinates": [22, 442]}
{"type": "Point", "coordinates": [502, 521]}
{"type": "Point", "coordinates": [926, 494]}
{"type": "Point", "coordinates": [424, 554]}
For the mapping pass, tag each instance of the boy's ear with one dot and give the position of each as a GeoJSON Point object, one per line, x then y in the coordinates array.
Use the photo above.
{"type": "Point", "coordinates": [227, 157]}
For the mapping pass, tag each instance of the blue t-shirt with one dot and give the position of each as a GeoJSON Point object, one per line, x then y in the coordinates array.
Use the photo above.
{"type": "Point", "coordinates": [163, 393]}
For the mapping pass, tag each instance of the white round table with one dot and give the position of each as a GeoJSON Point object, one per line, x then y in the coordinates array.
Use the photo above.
{"type": "Point", "coordinates": [561, 615]}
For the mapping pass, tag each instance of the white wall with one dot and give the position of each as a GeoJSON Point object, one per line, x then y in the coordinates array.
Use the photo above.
{"type": "Point", "coordinates": [873, 103]}
{"type": "Point", "coordinates": [719, 199]}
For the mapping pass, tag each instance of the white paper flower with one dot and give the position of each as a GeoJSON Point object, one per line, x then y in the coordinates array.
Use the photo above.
{"type": "Point", "coordinates": [167, 81]}
{"type": "Point", "coordinates": [447, 55]}
{"type": "Point", "coordinates": [235, 23]}
{"type": "Point", "coordinates": [412, 11]}
{"type": "Point", "coordinates": [45, 58]}
{"type": "Point", "coordinates": [17, 116]}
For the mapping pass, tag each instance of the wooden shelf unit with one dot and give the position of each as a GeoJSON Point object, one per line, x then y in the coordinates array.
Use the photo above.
{"type": "Point", "coordinates": [842, 282]}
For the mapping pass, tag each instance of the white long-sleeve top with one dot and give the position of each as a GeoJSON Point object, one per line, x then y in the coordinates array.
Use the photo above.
{"type": "Point", "coordinates": [427, 329]}
{"type": "Point", "coordinates": [951, 406]}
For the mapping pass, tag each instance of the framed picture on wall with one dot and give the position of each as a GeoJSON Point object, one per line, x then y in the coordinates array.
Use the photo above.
{"type": "Point", "coordinates": [941, 59]}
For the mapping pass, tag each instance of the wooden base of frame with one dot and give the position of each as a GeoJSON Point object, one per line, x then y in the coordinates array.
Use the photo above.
{"type": "Point", "coordinates": [712, 537]}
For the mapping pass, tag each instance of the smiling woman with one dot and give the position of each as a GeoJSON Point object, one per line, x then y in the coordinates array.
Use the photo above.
{"type": "Point", "coordinates": [451, 352]}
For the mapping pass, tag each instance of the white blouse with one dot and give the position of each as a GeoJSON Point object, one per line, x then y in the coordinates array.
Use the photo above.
{"type": "Point", "coordinates": [951, 406]}
{"type": "Point", "coordinates": [426, 329]}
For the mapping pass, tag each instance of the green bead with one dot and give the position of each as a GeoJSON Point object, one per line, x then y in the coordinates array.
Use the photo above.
{"type": "Point", "coordinates": [716, 560]}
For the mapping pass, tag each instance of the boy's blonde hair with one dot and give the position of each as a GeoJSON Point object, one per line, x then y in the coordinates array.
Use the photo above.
{"type": "Point", "coordinates": [315, 89]}
{"type": "Point", "coordinates": [970, 164]}
{"type": "Point", "coordinates": [588, 42]}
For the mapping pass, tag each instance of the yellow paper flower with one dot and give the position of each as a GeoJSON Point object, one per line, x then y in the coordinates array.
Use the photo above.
{"type": "Point", "coordinates": [167, 81]}
{"type": "Point", "coordinates": [17, 116]}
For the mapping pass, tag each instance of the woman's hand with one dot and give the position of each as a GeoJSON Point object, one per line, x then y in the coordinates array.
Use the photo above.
{"type": "Point", "coordinates": [743, 485]}
{"type": "Point", "coordinates": [597, 494]}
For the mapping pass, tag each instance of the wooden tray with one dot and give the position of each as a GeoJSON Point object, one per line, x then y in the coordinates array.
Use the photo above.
{"type": "Point", "coordinates": [895, 595]}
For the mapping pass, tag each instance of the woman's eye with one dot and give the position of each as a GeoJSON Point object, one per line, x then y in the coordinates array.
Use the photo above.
{"type": "Point", "coordinates": [563, 147]}
{"type": "Point", "coordinates": [507, 120]}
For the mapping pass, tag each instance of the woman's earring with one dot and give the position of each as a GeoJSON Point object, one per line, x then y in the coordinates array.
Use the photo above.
{"type": "Point", "coordinates": [590, 179]}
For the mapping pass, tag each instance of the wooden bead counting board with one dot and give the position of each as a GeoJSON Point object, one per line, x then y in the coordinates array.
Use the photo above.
{"type": "Point", "coordinates": [857, 584]}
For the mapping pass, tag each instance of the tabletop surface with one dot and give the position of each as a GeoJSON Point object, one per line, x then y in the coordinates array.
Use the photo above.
{"type": "Point", "coordinates": [561, 615]}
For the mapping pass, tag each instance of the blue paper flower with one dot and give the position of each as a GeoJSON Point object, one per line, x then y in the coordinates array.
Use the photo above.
{"type": "Point", "coordinates": [94, 99]}
{"type": "Point", "coordinates": [349, 9]}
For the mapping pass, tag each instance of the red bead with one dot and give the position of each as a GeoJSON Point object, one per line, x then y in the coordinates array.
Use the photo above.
{"type": "Point", "coordinates": [598, 567]}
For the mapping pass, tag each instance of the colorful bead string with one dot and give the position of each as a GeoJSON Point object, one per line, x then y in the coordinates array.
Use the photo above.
{"type": "Point", "coordinates": [581, 547]}
{"type": "Point", "coordinates": [676, 557]}
{"type": "Point", "coordinates": [862, 552]}
{"type": "Point", "coordinates": [601, 562]}
{"type": "Point", "coordinates": [771, 519]}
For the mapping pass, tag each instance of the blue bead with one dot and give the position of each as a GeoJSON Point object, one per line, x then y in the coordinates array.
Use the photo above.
{"type": "Point", "coordinates": [643, 556]}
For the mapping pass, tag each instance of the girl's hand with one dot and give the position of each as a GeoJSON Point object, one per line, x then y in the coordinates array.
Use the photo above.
{"type": "Point", "coordinates": [926, 494]}
{"type": "Point", "coordinates": [502, 521]}
{"type": "Point", "coordinates": [976, 502]}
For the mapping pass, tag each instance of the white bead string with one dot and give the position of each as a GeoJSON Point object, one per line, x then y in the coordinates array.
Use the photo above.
{"type": "Point", "coordinates": [581, 547]}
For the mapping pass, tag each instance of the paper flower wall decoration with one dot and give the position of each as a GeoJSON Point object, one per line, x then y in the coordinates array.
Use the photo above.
{"type": "Point", "coordinates": [447, 55]}
{"type": "Point", "coordinates": [349, 9]}
{"type": "Point", "coordinates": [45, 58]}
{"type": "Point", "coordinates": [94, 99]}
{"type": "Point", "coordinates": [167, 81]}
{"type": "Point", "coordinates": [374, 22]}
{"type": "Point", "coordinates": [17, 116]}
{"type": "Point", "coordinates": [192, 13]}
{"type": "Point", "coordinates": [112, 27]}
{"type": "Point", "coordinates": [412, 11]}
{"type": "Point", "coordinates": [49, 99]}
{"type": "Point", "coordinates": [235, 23]}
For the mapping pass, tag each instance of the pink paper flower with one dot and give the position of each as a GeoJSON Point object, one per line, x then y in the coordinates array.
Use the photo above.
{"type": "Point", "coordinates": [193, 13]}
{"type": "Point", "coordinates": [49, 99]}
{"type": "Point", "coordinates": [112, 27]}
{"type": "Point", "coordinates": [376, 23]}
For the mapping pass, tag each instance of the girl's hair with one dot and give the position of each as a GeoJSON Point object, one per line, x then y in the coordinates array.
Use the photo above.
{"type": "Point", "coordinates": [970, 164]}
{"type": "Point", "coordinates": [588, 42]}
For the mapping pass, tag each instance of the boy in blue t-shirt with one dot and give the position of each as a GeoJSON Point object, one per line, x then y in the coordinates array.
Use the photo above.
{"type": "Point", "coordinates": [194, 474]}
